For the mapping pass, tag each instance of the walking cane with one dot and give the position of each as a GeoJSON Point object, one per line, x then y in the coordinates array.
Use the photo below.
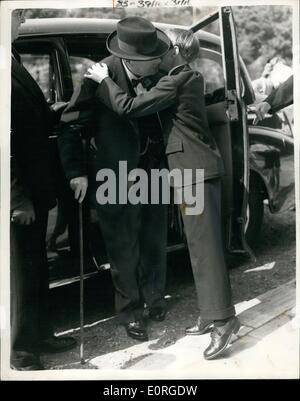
{"type": "Point", "coordinates": [81, 285]}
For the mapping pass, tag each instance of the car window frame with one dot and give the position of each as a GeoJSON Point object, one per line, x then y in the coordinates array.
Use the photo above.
{"type": "Point", "coordinates": [26, 44]}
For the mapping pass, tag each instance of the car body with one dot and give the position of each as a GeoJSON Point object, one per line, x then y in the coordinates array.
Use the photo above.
{"type": "Point", "coordinates": [259, 160]}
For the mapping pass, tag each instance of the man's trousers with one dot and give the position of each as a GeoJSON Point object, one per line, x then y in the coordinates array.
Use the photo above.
{"type": "Point", "coordinates": [30, 316]}
{"type": "Point", "coordinates": [136, 241]}
{"type": "Point", "coordinates": [204, 238]}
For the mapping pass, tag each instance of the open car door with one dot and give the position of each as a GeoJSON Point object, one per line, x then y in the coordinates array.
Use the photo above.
{"type": "Point", "coordinates": [227, 115]}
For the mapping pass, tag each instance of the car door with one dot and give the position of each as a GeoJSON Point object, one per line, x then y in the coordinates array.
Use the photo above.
{"type": "Point", "coordinates": [227, 117]}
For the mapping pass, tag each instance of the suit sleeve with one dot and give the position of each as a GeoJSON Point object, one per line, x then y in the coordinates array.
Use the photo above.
{"type": "Point", "coordinates": [76, 123]}
{"type": "Point", "coordinates": [160, 97]}
{"type": "Point", "coordinates": [19, 194]}
{"type": "Point", "coordinates": [282, 96]}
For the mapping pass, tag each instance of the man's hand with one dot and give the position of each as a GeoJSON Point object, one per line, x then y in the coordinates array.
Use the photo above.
{"type": "Point", "coordinates": [97, 72]}
{"type": "Point", "coordinates": [261, 109]}
{"type": "Point", "coordinates": [79, 186]}
{"type": "Point", "coordinates": [24, 215]}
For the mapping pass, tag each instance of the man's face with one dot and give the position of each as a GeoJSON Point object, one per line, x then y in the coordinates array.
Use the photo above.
{"type": "Point", "coordinates": [144, 68]}
{"type": "Point", "coordinates": [17, 18]}
{"type": "Point", "coordinates": [168, 60]}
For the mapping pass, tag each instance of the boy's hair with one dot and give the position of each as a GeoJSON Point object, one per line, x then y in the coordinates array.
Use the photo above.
{"type": "Point", "coordinates": [187, 43]}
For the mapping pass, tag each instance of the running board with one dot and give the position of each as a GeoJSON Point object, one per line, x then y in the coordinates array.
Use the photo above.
{"type": "Point", "coordinates": [101, 268]}
{"type": "Point", "coordinates": [71, 280]}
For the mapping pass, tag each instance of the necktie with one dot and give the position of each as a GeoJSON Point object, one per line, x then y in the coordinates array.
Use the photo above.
{"type": "Point", "coordinates": [146, 82]}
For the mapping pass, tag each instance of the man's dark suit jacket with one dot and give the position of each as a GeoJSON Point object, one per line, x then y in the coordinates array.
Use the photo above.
{"type": "Point", "coordinates": [134, 235]}
{"type": "Point", "coordinates": [31, 177]}
{"type": "Point", "coordinates": [116, 137]}
{"type": "Point", "coordinates": [189, 143]}
{"type": "Point", "coordinates": [282, 96]}
{"type": "Point", "coordinates": [31, 183]}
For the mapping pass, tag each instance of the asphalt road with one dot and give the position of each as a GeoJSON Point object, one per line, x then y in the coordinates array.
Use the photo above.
{"type": "Point", "coordinates": [276, 259]}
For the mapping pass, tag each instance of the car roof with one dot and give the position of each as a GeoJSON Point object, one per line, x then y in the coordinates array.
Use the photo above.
{"type": "Point", "coordinates": [80, 26]}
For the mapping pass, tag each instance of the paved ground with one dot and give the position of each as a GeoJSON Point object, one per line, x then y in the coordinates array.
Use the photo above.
{"type": "Point", "coordinates": [267, 346]}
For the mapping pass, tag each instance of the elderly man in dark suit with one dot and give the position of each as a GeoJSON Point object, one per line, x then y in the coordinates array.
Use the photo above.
{"type": "Point", "coordinates": [135, 235]}
{"type": "Point", "coordinates": [31, 198]}
{"type": "Point", "coordinates": [189, 145]}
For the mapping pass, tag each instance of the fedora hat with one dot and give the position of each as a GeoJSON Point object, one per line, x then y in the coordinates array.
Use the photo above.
{"type": "Point", "coordinates": [137, 39]}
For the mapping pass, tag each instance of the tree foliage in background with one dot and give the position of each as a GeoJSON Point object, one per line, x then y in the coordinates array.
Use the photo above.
{"type": "Point", "coordinates": [180, 16]}
{"type": "Point", "coordinates": [263, 31]}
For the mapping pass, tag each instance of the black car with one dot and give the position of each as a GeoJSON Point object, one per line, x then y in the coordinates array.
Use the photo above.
{"type": "Point", "coordinates": [259, 160]}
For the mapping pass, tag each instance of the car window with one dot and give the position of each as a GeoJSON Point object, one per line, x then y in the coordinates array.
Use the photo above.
{"type": "Point", "coordinates": [79, 66]}
{"type": "Point", "coordinates": [212, 73]}
{"type": "Point", "coordinates": [209, 64]}
{"type": "Point", "coordinates": [84, 52]}
{"type": "Point", "coordinates": [40, 68]}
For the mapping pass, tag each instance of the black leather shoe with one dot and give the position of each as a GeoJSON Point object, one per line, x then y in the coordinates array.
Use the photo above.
{"type": "Point", "coordinates": [137, 330]}
{"type": "Point", "coordinates": [220, 337]}
{"type": "Point", "coordinates": [57, 344]}
{"type": "Point", "coordinates": [157, 313]}
{"type": "Point", "coordinates": [25, 361]}
{"type": "Point", "coordinates": [201, 327]}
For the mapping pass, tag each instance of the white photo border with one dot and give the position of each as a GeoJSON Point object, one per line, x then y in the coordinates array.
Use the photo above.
{"type": "Point", "coordinates": [6, 7]}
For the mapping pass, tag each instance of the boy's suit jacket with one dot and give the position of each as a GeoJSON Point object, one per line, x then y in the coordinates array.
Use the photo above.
{"type": "Point", "coordinates": [189, 143]}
